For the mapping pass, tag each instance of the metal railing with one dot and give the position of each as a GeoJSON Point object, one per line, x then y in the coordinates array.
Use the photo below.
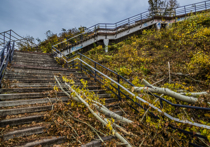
{"type": "Point", "coordinates": [97, 75]}
{"type": "Point", "coordinates": [9, 35]}
{"type": "Point", "coordinates": [131, 21]}
{"type": "Point", "coordinates": [6, 55]}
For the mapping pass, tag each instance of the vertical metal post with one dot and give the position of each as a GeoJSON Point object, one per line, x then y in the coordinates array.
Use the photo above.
{"type": "Point", "coordinates": [95, 72]}
{"type": "Point", "coordinates": [118, 80]}
{"type": "Point", "coordinates": [9, 40]}
{"type": "Point", "coordinates": [195, 8]}
{"type": "Point", "coordinates": [161, 103]}
{"type": "Point", "coordinates": [106, 28]}
{"type": "Point", "coordinates": [2, 55]}
{"type": "Point", "coordinates": [141, 18]}
{"type": "Point", "coordinates": [205, 5]}
{"type": "Point", "coordinates": [128, 21]}
{"type": "Point", "coordinates": [184, 10]}
{"type": "Point", "coordinates": [95, 29]}
{"type": "Point", "coordinates": [80, 56]}
{"type": "Point", "coordinates": [73, 64]}
{"type": "Point", "coordinates": [4, 39]}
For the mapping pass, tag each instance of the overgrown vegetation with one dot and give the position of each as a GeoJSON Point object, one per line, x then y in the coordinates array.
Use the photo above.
{"type": "Point", "coordinates": [176, 58]}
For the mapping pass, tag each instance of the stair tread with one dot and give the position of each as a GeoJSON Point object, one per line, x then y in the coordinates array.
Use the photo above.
{"type": "Point", "coordinates": [48, 140]}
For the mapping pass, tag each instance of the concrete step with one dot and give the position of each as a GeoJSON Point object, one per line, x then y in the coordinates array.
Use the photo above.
{"type": "Point", "coordinates": [20, 67]}
{"type": "Point", "coordinates": [36, 56]}
{"type": "Point", "coordinates": [21, 120]}
{"type": "Point", "coordinates": [32, 85]}
{"type": "Point", "coordinates": [34, 89]}
{"type": "Point", "coordinates": [32, 58]}
{"type": "Point", "coordinates": [31, 101]}
{"type": "Point", "coordinates": [36, 64]}
{"type": "Point", "coordinates": [10, 73]}
{"type": "Point", "coordinates": [110, 100]}
{"type": "Point", "coordinates": [97, 143]}
{"type": "Point", "coordinates": [5, 112]}
{"type": "Point", "coordinates": [26, 53]}
{"type": "Point", "coordinates": [104, 95]}
{"type": "Point", "coordinates": [15, 96]}
{"type": "Point", "coordinates": [41, 71]}
{"type": "Point", "coordinates": [23, 132]}
{"type": "Point", "coordinates": [23, 61]}
{"type": "Point", "coordinates": [115, 105]}
{"type": "Point", "coordinates": [44, 80]}
{"type": "Point", "coordinates": [48, 142]}
{"type": "Point", "coordinates": [21, 90]}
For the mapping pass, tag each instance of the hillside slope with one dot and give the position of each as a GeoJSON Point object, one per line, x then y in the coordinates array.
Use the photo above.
{"type": "Point", "coordinates": [176, 58]}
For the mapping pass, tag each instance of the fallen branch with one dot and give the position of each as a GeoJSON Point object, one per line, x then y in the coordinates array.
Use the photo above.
{"type": "Point", "coordinates": [194, 93]}
{"type": "Point", "coordinates": [105, 121]}
{"type": "Point", "coordinates": [165, 91]}
{"type": "Point", "coordinates": [106, 111]}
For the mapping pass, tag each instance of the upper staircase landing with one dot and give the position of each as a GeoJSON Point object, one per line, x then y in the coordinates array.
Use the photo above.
{"type": "Point", "coordinates": [104, 33]}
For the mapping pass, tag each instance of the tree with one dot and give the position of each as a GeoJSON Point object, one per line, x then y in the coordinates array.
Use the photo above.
{"type": "Point", "coordinates": [159, 7]}
{"type": "Point", "coordinates": [170, 6]}
{"type": "Point", "coordinates": [155, 6]}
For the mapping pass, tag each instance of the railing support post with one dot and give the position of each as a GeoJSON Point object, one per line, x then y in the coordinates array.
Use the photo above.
{"type": "Point", "coordinates": [141, 18]}
{"type": "Point", "coordinates": [4, 39]}
{"type": "Point", "coordinates": [161, 103]}
{"type": "Point", "coordinates": [118, 80]}
{"type": "Point", "coordinates": [106, 43]}
{"type": "Point", "coordinates": [128, 21]}
{"type": "Point", "coordinates": [95, 71]}
{"type": "Point", "coordinates": [205, 5]}
{"type": "Point", "coordinates": [73, 64]}
{"type": "Point", "coordinates": [80, 56]}
{"type": "Point", "coordinates": [10, 35]}
{"type": "Point", "coordinates": [195, 8]}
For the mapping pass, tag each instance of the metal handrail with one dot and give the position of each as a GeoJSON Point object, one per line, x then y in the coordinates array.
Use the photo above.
{"type": "Point", "coordinates": [183, 10]}
{"type": "Point", "coordinates": [6, 56]}
{"type": "Point", "coordinates": [119, 76]}
{"type": "Point", "coordinates": [10, 35]}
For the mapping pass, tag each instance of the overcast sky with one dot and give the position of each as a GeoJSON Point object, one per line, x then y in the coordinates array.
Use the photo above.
{"type": "Point", "coordinates": [35, 17]}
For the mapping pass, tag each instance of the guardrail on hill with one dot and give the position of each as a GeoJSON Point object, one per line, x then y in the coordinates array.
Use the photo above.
{"type": "Point", "coordinates": [132, 21]}
{"type": "Point", "coordinates": [99, 77]}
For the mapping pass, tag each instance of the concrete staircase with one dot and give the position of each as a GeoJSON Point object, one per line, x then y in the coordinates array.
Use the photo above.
{"type": "Point", "coordinates": [24, 98]}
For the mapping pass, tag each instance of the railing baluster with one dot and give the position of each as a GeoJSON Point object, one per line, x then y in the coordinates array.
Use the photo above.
{"type": "Point", "coordinates": [141, 18]}
{"type": "Point", "coordinates": [161, 103]}
{"type": "Point", "coordinates": [118, 80]}
{"type": "Point", "coordinates": [4, 39]}
{"type": "Point", "coordinates": [73, 64]}
{"type": "Point", "coordinates": [10, 36]}
{"type": "Point", "coordinates": [205, 5]}
{"type": "Point", "coordinates": [195, 8]}
{"type": "Point", "coordinates": [95, 71]}
{"type": "Point", "coordinates": [80, 62]}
